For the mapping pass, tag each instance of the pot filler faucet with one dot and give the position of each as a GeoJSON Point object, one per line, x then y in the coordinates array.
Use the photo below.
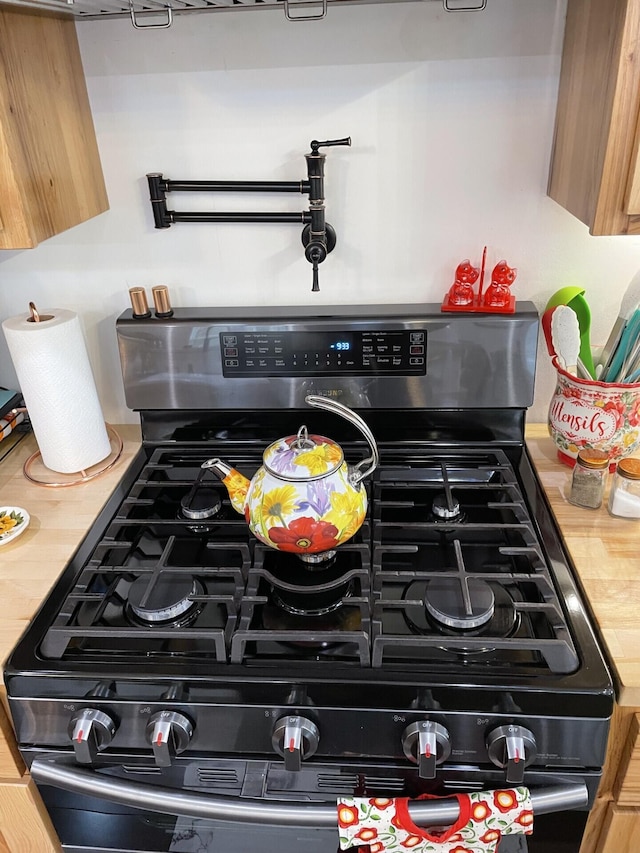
{"type": "Point", "coordinates": [318, 237]}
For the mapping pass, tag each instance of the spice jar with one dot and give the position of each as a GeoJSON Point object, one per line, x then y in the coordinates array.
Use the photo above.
{"type": "Point", "coordinates": [624, 499]}
{"type": "Point", "coordinates": [589, 478]}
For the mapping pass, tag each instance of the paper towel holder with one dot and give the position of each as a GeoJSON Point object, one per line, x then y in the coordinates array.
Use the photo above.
{"type": "Point", "coordinates": [36, 317]}
{"type": "Point", "coordinates": [36, 471]}
{"type": "Point", "coordinates": [74, 467]}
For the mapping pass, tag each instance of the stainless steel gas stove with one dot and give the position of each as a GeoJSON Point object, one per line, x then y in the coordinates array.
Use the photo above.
{"type": "Point", "coordinates": [186, 683]}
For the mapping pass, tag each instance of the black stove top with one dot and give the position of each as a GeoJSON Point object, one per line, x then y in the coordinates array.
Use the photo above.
{"type": "Point", "coordinates": [448, 577]}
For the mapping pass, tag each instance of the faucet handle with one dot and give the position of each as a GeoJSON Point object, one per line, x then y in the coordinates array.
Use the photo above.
{"type": "Point", "coordinates": [315, 280]}
{"type": "Point", "coordinates": [315, 252]}
{"type": "Point", "coordinates": [328, 142]}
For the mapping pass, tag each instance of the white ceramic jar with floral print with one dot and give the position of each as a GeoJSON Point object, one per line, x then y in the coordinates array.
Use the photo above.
{"type": "Point", "coordinates": [586, 414]}
{"type": "Point", "coordinates": [305, 499]}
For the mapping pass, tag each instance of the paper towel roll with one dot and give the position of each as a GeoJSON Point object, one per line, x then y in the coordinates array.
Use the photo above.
{"type": "Point", "coordinates": [52, 365]}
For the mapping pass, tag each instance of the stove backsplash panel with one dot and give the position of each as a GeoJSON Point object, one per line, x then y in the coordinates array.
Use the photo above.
{"type": "Point", "coordinates": [368, 357]}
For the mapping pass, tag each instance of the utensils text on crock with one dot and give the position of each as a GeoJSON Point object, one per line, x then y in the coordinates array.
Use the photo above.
{"type": "Point", "coordinates": [565, 336]}
{"type": "Point", "coordinates": [573, 296]}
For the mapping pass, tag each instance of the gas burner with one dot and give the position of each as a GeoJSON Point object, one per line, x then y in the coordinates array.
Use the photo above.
{"type": "Point", "coordinates": [200, 503]}
{"type": "Point", "coordinates": [443, 509]}
{"type": "Point", "coordinates": [460, 603]}
{"type": "Point", "coordinates": [325, 561]}
{"type": "Point", "coordinates": [337, 620]}
{"type": "Point", "coordinates": [503, 621]}
{"type": "Point", "coordinates": [168, 600]}
{"type": "Point", "coordinates": [319, 559]}
{"type": "Point", "coordinates": [314, 592]}
{"type": "Point", "coordinates": [310, 603]}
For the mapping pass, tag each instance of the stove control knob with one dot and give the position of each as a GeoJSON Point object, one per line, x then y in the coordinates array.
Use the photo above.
{"type": "Point", "coordinates": [90, 731]}
{"type": "Point", "coordinates": [513, 748]}
{"type": "Point", "coordinates": [169, 733]}
{"type": "Point", "coordinates": [426, 744]}
{"type": "Point", "coordinates": [295, 738]}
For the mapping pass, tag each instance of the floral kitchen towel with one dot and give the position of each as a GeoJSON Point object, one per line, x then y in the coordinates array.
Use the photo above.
{"type": "Point", "coordinates": [385, 825]}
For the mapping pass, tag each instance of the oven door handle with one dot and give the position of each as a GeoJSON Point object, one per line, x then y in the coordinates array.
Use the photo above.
{"type": "Point", "coordinates": [76, 780]}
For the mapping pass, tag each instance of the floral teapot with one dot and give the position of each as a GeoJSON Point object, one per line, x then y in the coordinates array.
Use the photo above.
{"type": "Point", "coordinates": [305, 499]}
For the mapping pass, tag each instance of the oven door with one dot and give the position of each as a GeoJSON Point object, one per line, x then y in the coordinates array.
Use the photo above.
{"type": "Point", "coordinates": [188, 807]}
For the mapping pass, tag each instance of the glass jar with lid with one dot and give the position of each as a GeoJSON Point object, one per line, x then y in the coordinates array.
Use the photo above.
{"type": "Point", "coordinates": [624, 498]}
{"type": "Point", "coordinates": [589, 478]}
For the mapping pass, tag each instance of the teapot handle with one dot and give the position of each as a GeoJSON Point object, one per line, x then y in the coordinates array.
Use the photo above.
{"type": "Point", "coordinates": [370, 464]}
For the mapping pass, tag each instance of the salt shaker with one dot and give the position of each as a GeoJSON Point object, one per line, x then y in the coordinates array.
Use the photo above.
{"type": "Point", "coordinates": [624, 498]}
{"type": "Point", "coordinates": [589, 479]}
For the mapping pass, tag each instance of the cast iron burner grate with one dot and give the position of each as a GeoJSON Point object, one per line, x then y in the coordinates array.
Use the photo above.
{"type": "Point", "coordinates": [336, 625]}
{"type": "Point", "coordinates": [488, 548]}
{"type": "Point", "coordinates": [159, 585]}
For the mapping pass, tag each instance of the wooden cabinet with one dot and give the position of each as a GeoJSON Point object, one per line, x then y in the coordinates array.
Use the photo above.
{"type": "Point", "coordinates": [614, 821]}
{"type": "Point", "coordinates": [621, 829]}
{"type": "Point", "coordinates": [595, 167]}
{"type": "Point", "coordinates": [628, 784]}
{"type": "Point", "coordinates": [25, 826]}
{"type": "Point", "coordinates": [50, 172]}
{"type": "Point", "coordinates": [11, 765]}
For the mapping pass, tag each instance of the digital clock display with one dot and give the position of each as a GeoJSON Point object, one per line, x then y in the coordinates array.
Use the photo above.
{"type": "Point", "coordinates": [324, 352]}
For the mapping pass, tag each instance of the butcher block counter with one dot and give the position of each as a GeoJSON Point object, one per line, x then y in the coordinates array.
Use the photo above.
{"type": "Point", "coordinates": [606, 556]}
{"type": "Point", "coordinates": [604, 550]}
{"type": "Point", "coordinates": [29, 565]}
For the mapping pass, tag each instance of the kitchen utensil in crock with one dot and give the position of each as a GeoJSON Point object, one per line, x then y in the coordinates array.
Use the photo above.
{"type": "Point", "coordinates": [619, 361]}
{"type": "Point", "coordinates": [573, 296]}
{"type": "Point", "coordinates": [546, 329]}
{"type": "Point", "coordinates": [630, 302]}
{"type": "Point", "coordinates": [565, 336]}
{"type": "Point", "coordinates": [305, 499]}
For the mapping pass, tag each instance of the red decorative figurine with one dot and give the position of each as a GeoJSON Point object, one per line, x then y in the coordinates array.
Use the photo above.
{"type": "Point", "coordinates": [497, 300]}
{"type": "Point", "coordinates": [498, 293]}
{"type": "Point", "coordinates": [461, 291]}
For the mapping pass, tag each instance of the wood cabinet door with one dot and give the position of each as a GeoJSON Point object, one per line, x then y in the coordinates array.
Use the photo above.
{"type": "Point", "coordinates": [25, 826]}
{"type": "Point", "coordinates": [11, 764]}
{"type": "Point", "coordinates": [50, 172]}
{"type": "Point", "coordinates": [621, 832]}
{"type": "Point", "coordinates": [628, 790]}
{"type": "Point", "coordinates": [595, 148]}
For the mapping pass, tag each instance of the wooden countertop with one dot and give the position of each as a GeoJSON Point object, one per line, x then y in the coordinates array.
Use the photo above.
{"type": "Point", "coordinates": [60, 518]}
{"type": "Point", "coordinates": [606, 555]}
{"type": "Point", "coordinates": [605, 550]}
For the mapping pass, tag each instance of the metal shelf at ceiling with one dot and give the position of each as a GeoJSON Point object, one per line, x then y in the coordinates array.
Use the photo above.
{"type": "Point", "coordinates": [150, 14]}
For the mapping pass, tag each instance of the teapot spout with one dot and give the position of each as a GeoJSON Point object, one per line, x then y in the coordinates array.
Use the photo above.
{"type": "Point", "coordinates": [237, 484]}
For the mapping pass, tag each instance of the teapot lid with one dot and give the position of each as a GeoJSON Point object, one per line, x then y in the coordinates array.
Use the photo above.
{"type": "Point", "coordinates": [303, 456]}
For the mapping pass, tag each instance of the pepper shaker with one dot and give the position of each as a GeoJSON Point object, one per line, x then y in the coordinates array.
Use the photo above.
{"type": "Point", "coordinates": [589, 479]}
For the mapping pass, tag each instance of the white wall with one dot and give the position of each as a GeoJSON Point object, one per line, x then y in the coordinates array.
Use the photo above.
{"type": "Point", "coordinates": [451, 117]}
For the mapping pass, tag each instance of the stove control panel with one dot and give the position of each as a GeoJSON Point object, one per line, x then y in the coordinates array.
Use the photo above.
{"type": "Point", "coordinates": [295, 738]}
{"type": "Point", "coordinates": [169, 731]}
{"type": "Point", "coordinates": [324, 353]}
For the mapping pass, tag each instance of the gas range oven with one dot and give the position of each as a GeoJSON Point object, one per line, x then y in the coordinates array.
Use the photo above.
{"type": "Point", "coordinates": [187, 687]}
